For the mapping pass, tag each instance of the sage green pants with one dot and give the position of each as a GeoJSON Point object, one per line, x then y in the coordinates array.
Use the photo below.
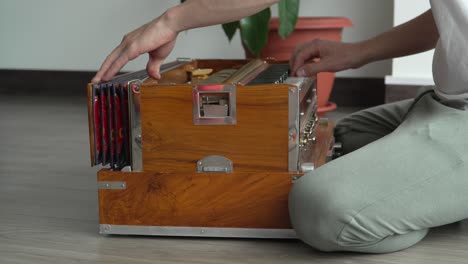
{"type": "Point", "coordinates": [405, 171]}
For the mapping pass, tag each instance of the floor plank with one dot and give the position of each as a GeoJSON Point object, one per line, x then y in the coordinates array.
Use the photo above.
{"type": "Point", "coordinates": [48, 205]}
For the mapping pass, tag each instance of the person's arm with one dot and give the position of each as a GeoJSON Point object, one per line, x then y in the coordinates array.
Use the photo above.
{"type": "Point", "coordinates": [157, 38]}
{"type": "Point", "coordinates": [417, 35]}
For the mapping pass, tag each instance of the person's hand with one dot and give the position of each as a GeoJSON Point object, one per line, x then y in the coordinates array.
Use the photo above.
{"type": "Point", "coordinates": [155, 38]}
{"type": "Point", "coordinates": [318, 55]}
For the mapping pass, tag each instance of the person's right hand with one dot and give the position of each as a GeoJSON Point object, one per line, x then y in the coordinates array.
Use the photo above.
{"type": "Point", "coordinates": [155, 38]}
{"type": "Point", "coordinates": [318, 55]}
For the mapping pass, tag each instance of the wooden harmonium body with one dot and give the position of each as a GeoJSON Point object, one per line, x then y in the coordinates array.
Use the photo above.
{"type": "Point", "coordinates": [210, 149]}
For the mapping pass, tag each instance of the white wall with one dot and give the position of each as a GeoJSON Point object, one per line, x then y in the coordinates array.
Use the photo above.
{"type": "Point", "coordinates": [77, 35]}
{"type": "Point", "coordinates": [416, 69]}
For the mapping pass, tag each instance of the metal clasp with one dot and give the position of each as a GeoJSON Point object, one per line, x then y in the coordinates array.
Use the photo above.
{"type": "Point", "coordinates": [215, 164]}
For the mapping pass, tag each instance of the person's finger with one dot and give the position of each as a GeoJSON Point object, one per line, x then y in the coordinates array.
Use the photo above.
{"type": "Point", "coordinates": [129, 53]}
{"type": "Point", "coordinates": [293, 56]}
{"type": "Point", "coordinates": [312, 69]}
{"type": "Point", "coordinates": [300, 55]}
{"type": "Point", "coordinates": [107, 63]}
{"type": "Point", "coordinates": [153, 67]}
{"type": "Point", "coordinates": [304, 54]}
{"type": "Point", "coordinates": [157, 57]}
{"type": "Point", "coordinates": [115, 67]}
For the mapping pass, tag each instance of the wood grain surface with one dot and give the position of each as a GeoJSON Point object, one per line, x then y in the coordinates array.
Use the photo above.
{"type": "Point", "coordinates": [254, 199]}
{"type": "Point", "coordinates": [172, 143]}
{"type": "Point", "coordinates": [242, 200]}
{"type": "Point", "coordinates": [92, 153]}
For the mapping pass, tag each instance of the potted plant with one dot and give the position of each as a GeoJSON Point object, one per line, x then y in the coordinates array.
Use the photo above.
{"type": "Point", "coordinates": [255, 29]}
{"type": "Point", "coordinates": [266, 37]}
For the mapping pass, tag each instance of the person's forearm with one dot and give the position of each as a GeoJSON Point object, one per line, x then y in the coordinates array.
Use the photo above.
{"type": "Point", "coordinates": [200, 13]}
{"type": "Point", "coordinates": [415, 36]}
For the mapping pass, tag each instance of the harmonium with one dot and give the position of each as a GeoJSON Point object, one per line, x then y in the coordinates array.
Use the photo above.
{"type": "Point", "coordinates": [212, 148]}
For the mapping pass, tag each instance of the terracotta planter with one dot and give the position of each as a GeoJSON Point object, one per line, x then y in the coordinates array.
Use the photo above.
{"type": "Point", "coordinates": [307, 29]}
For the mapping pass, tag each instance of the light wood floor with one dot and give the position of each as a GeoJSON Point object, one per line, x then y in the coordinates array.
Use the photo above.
{"type": "Point", "coordinates": [48, 205]}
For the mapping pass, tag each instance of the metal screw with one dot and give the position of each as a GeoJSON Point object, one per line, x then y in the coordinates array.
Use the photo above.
{"type": "Point", "coordinates": [294, 178]}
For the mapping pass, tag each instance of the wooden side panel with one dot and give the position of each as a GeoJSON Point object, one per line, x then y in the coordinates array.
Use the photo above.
{"type": "Point", "coordinates": [238, 200]}
{"type": "Point", "coordinates": [324, 143]}
{"type": "Point", "coordinates": [172, 143]}
{"type": "Point", "coordinates": [92, 154]}
{"type": "Point", "coordinates": [318, 151]}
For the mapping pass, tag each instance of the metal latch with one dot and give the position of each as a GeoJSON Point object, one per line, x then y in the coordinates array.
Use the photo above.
{"type": "Point", "coordinates": [214, 105]}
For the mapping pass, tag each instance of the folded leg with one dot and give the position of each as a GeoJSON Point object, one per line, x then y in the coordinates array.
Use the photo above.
{"type": "Point", "coordinates": [384, 196]}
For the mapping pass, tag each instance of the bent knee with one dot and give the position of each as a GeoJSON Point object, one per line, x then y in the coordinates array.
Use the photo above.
{"type": "Point", "coordinates": [330, 221]}
{"type": "Point", "coordinates": [318, 214]}
{"type": "Point", "coordinates": [323, 217]}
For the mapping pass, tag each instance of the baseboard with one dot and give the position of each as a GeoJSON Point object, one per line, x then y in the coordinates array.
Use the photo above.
{"type": "Point", "coordinates": [401, 92]}
{"type": "Point", "coordinates": [346, 92]}
{"type": "Point", "coordinates": [35, 82]}
{"type": "Point", "coordinates": [364, 92]}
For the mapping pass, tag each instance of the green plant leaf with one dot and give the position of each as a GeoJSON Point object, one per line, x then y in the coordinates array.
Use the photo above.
{"type": "Point", "coordinates": [254, 30]}
{"type": "Point", "coordinates": [288, 12]}
{"type": "Point", "coordinates": [230, 29]}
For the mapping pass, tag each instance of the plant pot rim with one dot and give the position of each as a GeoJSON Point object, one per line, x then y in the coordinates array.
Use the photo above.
{"type": "Point", "coordinates": [316, 22]}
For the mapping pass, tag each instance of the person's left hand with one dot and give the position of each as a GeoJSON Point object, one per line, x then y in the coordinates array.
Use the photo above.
{"type": "Point", "coordinates": [319, 55]}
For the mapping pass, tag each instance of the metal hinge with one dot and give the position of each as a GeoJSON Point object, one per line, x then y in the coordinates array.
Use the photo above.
{"type": "Point", "coordinates": [112, 185]}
